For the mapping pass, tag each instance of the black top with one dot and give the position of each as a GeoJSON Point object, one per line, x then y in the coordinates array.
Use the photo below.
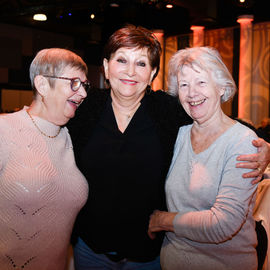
{"type": "Point", "coordinates": [126, 171]}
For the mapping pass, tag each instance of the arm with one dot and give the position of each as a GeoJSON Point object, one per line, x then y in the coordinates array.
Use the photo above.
{"type": "Point", "coordinates": [160, 221]}
{"type": "Point", "coordinates": [258, 161]}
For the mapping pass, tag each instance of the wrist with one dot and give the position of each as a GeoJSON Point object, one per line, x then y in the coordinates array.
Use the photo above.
{"type": "Point", "coordinates": [167, 221]}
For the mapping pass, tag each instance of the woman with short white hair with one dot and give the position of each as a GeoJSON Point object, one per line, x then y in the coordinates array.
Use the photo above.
{"type": "Point", "coordinates": [209, 224]}
{"type": "Point", "coordinates": [41, 189]}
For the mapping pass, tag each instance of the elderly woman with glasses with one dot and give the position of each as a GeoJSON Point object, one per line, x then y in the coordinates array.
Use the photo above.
{"type": "Point", "coordinates": [41, 189]}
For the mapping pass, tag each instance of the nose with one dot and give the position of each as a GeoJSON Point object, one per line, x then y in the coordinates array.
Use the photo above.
{"type": "Point", "coordinates": [191, 91]}
{"type": "Point", "coordinates": [82, 92]}
{"type": "Point", "coordinates": [131, 70]}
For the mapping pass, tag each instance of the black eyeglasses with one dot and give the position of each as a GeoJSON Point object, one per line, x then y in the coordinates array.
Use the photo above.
{"type": "Point", "coordinates": [75, 83]}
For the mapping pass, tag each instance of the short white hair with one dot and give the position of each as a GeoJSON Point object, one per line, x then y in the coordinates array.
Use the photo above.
{"type": "Point", "coordinates": [207, 59]}
{"type": "Point", "coordinates": [53, 61]}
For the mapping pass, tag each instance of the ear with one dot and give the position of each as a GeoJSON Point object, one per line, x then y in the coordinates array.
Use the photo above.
{"type": "Point", "coordinates": [42, 85]}
{"type": "Point", "coordinates": [222, 91]}
{"type": "Point", "coordinates": [152, 75]}
{"type": "Point", "coordinates": [105, 66]}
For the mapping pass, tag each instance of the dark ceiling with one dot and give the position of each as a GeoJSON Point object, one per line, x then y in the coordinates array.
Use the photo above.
{"type": "Point", "coordinates": [90, 34]}
{"type": "Point", "coordinates": [149, 13]}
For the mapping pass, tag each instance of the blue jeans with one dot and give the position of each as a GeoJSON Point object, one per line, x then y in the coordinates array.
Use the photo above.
{"type": "Point", "coordinates": [87, 259]}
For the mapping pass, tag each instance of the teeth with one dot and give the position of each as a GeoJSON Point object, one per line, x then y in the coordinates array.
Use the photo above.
{"type": "Point", "coordinates": [76, 102]}
{"type": "Point", "coordinates": [194, 103]}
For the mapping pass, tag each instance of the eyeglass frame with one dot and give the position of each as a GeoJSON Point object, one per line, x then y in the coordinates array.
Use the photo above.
{"type": "Point", "coordinates": [86, 84]}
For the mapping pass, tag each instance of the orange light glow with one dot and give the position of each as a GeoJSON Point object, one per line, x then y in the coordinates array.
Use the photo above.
{"type": "Point", "coordinates": [196, 28]}
{"type": "Point", "coordinates": [159, 35]}
{"type": "Point", "coordinates": [158, 81]}
{"type": "Point", "coordinates": [245, 19]}
{"type": "Point", "coordinates": [198, 35]}
{"type": "Point", "coordinates": [244, 89]}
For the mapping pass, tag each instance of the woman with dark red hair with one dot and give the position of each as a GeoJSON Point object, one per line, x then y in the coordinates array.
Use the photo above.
{"type": "Point", "coordinates": [123, 141]}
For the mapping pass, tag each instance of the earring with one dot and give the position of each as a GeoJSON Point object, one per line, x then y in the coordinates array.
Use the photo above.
{"type": "Point", "coordinates": [148, 89]}
{"type": "Point", "coordinates": [107, 83]}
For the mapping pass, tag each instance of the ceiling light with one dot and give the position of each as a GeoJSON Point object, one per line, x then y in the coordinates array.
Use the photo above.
{"type": "Point", "coordinates": [40, 17]}
{"type": "Point", "coordinates": [92, 16]}
{"type": "Point", "coordinates": [114, 4]}
{"type": "Point", "coordinates": [169, 6]}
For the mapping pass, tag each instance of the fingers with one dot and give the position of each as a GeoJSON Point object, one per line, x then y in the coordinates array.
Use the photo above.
{"type": "Point", "coordinates": [258, 143]}
{"type": "Point", "coordinates": [152, 235]}
{"type": "Point", "coordinates": [248, 165]}
{"type": "Point", "coordinates": [251, 157]}
{"type": "Point", "coordinates": [252, 174]}
{"type": "Point", "coordinates": [263, 166]}
{"type": "Point", "coordinates": [256, 180]}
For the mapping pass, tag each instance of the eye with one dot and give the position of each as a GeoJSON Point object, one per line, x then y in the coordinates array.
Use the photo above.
{"type": "Point", "coordinates": [202, 83]}
{"type": "Point", "coordinates": [141, 64]}
{"type": "Point", "coordinates": [182, 85]}
{"type": "Point", "coordinates": [121, 60]}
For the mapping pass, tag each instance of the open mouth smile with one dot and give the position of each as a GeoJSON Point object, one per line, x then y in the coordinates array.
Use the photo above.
{"type": "Point", "coordinates": [77, 103]}
{"type": "Point", "coordinates": [195, 103]}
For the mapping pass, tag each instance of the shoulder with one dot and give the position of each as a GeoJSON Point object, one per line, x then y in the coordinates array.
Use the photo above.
{"type": "Point", "coordinates": [10, 119]}
{"type": "Point", "coordinates": [167, 106]}
{"type": "Point", "coordinates": [242, 131]}
{"type": "Point", "coordinates": [239, 139]}
{"type": "Point", "coordinates": [10, 126]}
{"type": "Point", "coordinates": [183, 132]}
{"type": "Point", "coordinates": [162, 97]}
{"type": "Point", "coordinates": [95, 98]}
{"type": "Point", "coordinates": [90, 108]}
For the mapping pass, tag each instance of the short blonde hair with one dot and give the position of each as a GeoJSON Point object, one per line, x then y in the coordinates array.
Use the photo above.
{"type": "Point", "coordinates": [52, 62]}
{"type": "Point", "coordinates": [207, 59]}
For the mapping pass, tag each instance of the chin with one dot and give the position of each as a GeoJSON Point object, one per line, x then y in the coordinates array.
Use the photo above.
{"type": "Point", "coordinates": [63, 120]}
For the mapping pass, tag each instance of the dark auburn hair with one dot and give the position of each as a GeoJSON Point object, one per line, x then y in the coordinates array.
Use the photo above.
{"type": "Point", "coordinates": [131, 36]}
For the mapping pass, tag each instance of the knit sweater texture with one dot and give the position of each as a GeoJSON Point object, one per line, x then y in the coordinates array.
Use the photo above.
{"type": "Point", "coordinates": [41, 192]}
{"type": "Point", "coordinates": [214, 228]}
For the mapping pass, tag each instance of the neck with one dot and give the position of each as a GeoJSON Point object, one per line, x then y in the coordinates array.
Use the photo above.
{"type": "Point", "coordinates": [126, 104]}
{"type": "Point", "coordinates": [217, 122]}
{"type": "Point", "coordinates": [124, 109]}
{"type": "Point", "coordinates": [128, 111]}
{"type": "Point", "coordinates": [203, 135]}
{"type": "Point", "coordinates": [40, 130]}
{"type": "Point", "coordinates": [38, 108]}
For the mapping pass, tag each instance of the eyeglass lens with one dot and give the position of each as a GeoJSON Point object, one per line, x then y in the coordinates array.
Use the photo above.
{"type": "Point", "coordinates": [75, 84]}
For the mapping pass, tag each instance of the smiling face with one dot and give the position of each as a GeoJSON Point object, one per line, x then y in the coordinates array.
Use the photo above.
{"type": "Point", "coordinates": [129, 72]}
{"type": "Point", "coordinates": [198, 94]}
{"type": "Point", "coordinates": [60, 102]}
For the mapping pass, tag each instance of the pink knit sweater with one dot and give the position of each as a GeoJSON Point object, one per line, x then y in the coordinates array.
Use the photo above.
{"type": "Point", "coordinates": [41, 193]}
